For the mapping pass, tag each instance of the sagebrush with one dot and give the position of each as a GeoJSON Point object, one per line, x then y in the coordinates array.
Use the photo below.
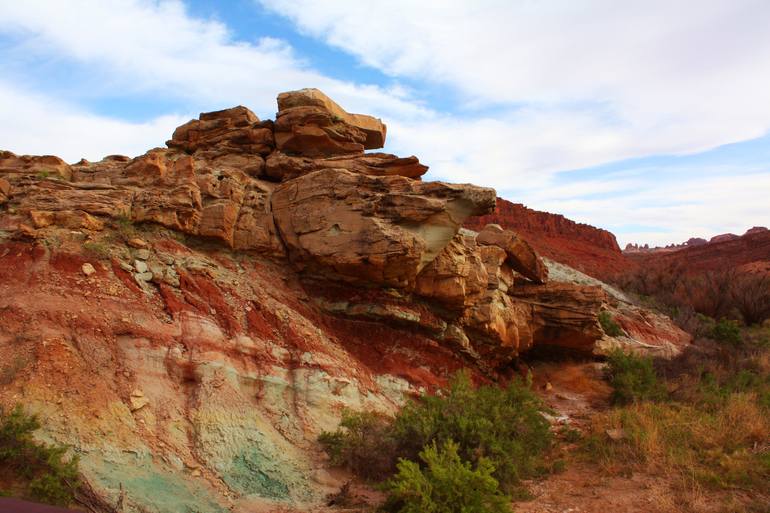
{"type": "Point", "coordinates": [41, 470]}
{"type": "Point", "coordinates": [444, 483]}
{"type": "Point", "coordinates": [503, 426]}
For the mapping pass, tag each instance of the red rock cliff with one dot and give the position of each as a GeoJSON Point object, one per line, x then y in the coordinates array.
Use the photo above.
{"type": "Point", "coordinates": [592, 250]}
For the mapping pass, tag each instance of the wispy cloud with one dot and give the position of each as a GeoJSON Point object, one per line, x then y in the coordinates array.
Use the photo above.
{"type": "Point", "coordinates": [121, 48]}
{"type": "Point", "coordinates": [541, 88]}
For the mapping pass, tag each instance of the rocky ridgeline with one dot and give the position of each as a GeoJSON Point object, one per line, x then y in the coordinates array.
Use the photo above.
{"type": "Point", "coordinates": [190, 319]}
{"type": "Point", "coordinates": [694, 242]}
{"type": "Point", "coordinates": [592, 250]}
{"type": "Point", "coordinates": [302, 187]}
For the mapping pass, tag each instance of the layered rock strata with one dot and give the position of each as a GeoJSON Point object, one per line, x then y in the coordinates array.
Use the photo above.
{"type": "Point", "coordinates": [198, 314]}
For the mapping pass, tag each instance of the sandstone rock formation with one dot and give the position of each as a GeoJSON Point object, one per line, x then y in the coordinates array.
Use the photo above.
{"type": "Point", "coordinates": [520, 255]}
{"type": "Point", "coordinates": [727, 252]}
{"type": "Point", "coordinates": [198, 314]}
{"type": "Point", "coordinates": [381, 230]}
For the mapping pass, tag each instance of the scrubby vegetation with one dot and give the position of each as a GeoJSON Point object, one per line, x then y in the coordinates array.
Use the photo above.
{"type": "Point", "coordinates": [487, 434]}
{"type": "Point", "coordinates": [34, 470]}
{"type": "Point", "coordinates": [609, 325]}
{"type": "Point", "coordinates": [633, 379]}
{"type": "Point", "coordinates": [727, 294]}
{"type": "Point", "coordinates": [445, 484]}
{"type": "Point", "coordinates": [702, 419]}
{"type": "Point", "coordinates": [97, 249]}
{"type": "Point", "coordinates": [125, 227]}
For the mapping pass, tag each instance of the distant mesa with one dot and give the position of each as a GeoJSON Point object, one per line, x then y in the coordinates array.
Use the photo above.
{"type": "Point", "coordinates": [756, 229]}
{"type": "Point", "coordinates": [631, 248]}
{"type": "Point", "coordinates": [723, 238]}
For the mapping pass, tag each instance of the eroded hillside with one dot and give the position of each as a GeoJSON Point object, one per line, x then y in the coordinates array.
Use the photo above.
{"type": "Point", "coordinates": [189, 320]}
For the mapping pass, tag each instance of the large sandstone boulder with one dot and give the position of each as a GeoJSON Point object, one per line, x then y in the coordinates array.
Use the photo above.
{"type": "Point", "coordinates": [563, 314]}
{"type": "Point", "coordinates": [457, 277]}
{"type": "Point", "coordinates": [372, 127]}
{"type": "Point", "coordinates": [499, 327]}
{"type": "Point", "coordinates": [521, 257]}
{"type": "Point", "coordinates": [309, 123]}
{"type": "Point", "coordinates": [42, 166]}
{"type": "Point", "coordinates": [234, 130]}
{"type": "Point", "coordinates": [281, 167]}
{"type": "Point", "coordinates": [381, 230]}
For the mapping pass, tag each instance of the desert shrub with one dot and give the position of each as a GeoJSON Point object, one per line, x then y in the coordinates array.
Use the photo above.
{"type": "Point", "coordinates": [47, 476]}
{"type": "Point", "coordinates": [633, 378]}
{"type": "Point", "coordinates": [609, 325]}
{"type": "Point", "coordinates": [712, 431]}
{"type": "Point", "coordinates": [445, 484]}
{"type": "Point", "coordinates": [97, 249]}
{"type": "Point", "coordinates": [719, 294]}
{"type": "Point", "coordinates": [502, 425]}
{"type": "Point", "coordinates": [363, 443]}
{"type": "Point", "coordinates": [750, 295]}
{"type": "Point", "coordinates": [727, 331]}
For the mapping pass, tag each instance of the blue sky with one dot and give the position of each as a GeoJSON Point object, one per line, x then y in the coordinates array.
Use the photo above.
{"type": "Point", "coordinates": [645, 118]}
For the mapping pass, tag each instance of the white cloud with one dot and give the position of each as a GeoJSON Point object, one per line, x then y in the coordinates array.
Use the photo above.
{"type": "Point", "coordinates": [697, 206]}
{"type": "Point", "coordinates": [653, 77]}
{"type": "Point", "coordinates": [34, 124]}
{"type": "Point", "coordinates": [561, 85]}
{"type": "Point", "coordinates": [156, 47]}
{"type": "Point", "coordinates": [149, 49]}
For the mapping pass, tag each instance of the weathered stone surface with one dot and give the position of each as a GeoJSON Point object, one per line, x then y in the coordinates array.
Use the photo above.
{"type": "Point", "coordinates": [315, 141]}
{"type": "Point", "coordinates": [373, 128]}
{"type": "Point", "coordinates": [500, 327]}
{"type": "Point", "coordinates": [94, 199]}
{"type": "Point", "coordinates": [521, 257]}
{"type": "Point", "coordinates": [252, 165]}
{"type": "Point", "coordinates": [73, 219]}
{"type": "Point", "coordinates": [255, 227]}
{"type": "Point", "coordinates": [5, 190]}
{"type": "Point", "coordinates": [563, 314]}
{"type": "Point", "coordinates": [280, 166]}
{"type": "Point", "coordinates": [235, 130]}
{"type": "Point", "coordinates": [499, 275]}
{"type": "Point", "coordinates": [457, 276]}
{"type": "Point", "coordinates": [383, 230]}
{"type": "Point", "coordinates": [42, 166]}
{"type": "Point", "coordinates": [310, 124]}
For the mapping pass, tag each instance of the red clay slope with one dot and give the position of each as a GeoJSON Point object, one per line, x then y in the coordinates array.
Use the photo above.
{"type": "Point", "coordinates": [591, 250]}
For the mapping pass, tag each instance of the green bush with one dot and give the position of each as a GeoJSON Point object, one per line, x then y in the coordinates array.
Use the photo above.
{"type": "Point", "coordinates": [728, 331]}
{"type": "Point", "coordinates": [633, 378]}
{"type": "Point", "coordinates": [363, 443]}
{"type": "Point", "coordinates": [502, 425]}
{"type": "Point", "coordinates": [445, 484]}
{"type": "Point", "coordinates": [609, 325]}
{"type": "Point", "coordinates": [47, 475]}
